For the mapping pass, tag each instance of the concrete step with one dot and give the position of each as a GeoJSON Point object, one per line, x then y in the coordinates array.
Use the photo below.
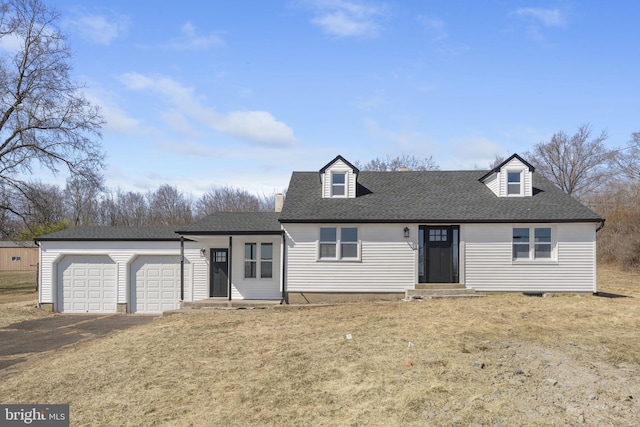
{"type": "Point", "coordinates": [225, 303]}
{"type": "Point", "coordinates": [459, 291]}
{"type": "Point", "coordinates": [439, 286]}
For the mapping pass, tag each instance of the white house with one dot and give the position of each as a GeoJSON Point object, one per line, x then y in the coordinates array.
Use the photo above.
{"type": "Point", "coordinates": [342, 234]}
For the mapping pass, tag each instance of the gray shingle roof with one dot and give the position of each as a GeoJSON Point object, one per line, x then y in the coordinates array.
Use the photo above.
{"type": "Point", "coordinates": [235, 223]}
{"type": "Point", "coordinates": [12, 244]}
{"type": "Point", "coordinates": [161, 233]}
{"type": "Point", "coordinates": [432, 196]}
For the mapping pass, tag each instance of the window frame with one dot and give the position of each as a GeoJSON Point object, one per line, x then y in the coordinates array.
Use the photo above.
{"type": "Point", "coordinates": [533, 243]}
{"type": "Point", "coordinates": [339, 245]}
{"type": "Point", "coordinates": [342, 185]}
{"type": "Point", "coordinates": [264, 260]}
{"type": "Point", "coordinates": [520, 182]}
{"type": "Point", "coordinates": [252, 261]}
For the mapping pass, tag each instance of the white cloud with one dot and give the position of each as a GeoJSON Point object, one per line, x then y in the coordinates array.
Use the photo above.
{"type": "Point", "coordinates": [11, 43]}
{"type": "Point", "coordinates": [546, 17]}
{"type": "Point", "coordinates": [117, 121]}
{"type": "Point", "coordinates": [343, 18]}
{"type": "Point", "coordinates": [258, 127]}
{"type": "Point", "coordinates": [99, 28]}
{"type": "Point", "coordinates": [538, 19]}
{"type": "Point", "coordinates": [191, 40]}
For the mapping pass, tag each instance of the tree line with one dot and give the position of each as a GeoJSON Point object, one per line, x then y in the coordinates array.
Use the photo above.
{"type": "Point", "coordinates": [45, 208]}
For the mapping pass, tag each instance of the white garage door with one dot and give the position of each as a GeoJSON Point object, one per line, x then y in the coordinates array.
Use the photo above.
{"type": "Point", "coordinates": [88, 284]}
{"type": "Point", "coordinates": [155, 284]}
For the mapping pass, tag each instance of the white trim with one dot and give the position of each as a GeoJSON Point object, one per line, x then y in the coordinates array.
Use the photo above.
{"type": "Point", "coordinates": [532, 245]}
{"type": "Point", "coordinates": [338, 244]}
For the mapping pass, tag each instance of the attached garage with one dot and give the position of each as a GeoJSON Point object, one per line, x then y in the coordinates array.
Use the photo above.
{"type": "Point", "coordinates": [87, 284]}
{"type": "Point", "coordinates": [155, 284]}
{"type": "Point", "coordinates": [115, 270]}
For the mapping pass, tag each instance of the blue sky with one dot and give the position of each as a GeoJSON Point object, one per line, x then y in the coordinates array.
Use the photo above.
{"type": "Point", "coordinates": [212, 93]}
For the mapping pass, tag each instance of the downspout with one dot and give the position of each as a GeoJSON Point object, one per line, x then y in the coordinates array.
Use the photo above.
{"type": "Point", "coordinates": [284, 268]}
{"type": "Point", "coordinates": [601, 226]}
{"type": "Point", "coordinates": [230, 265]}
{"type": "Point", "coordinates": [181, 268]}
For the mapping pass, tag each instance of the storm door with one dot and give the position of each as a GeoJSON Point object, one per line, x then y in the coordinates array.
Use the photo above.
{"type": "Point", "coordinates": [438, 253]}
{"type": "Point", "coordinates": [219, 280]}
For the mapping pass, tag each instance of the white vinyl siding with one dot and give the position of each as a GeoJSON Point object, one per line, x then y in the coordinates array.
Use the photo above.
{"type": "Point", "coordinates": [489, 265]}
{"type": "Point", "coordinates": [350, 180]}
{"type": "Point", "coordinates": [387, 261]}
{"type": "Point", "coordinates": [258, 287]}
{"type": "Point", "coordinates": [493, 183]}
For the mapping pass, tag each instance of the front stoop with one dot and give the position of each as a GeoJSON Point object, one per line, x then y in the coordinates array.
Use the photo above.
{"type": "Point", "coordinates": [440, 290]}
{"type": "Point", "coordinates": [223, 303]}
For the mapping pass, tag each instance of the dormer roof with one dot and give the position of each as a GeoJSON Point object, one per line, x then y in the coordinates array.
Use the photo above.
{"type": "Point", "coordinates": [501, 165]}
{"type": "Point", "coordinates": [345, 161]}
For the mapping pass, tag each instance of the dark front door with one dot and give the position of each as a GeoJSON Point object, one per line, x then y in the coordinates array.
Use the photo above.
{"type": "Point", "coordinates": [219, 279]}
{"type": "Point", "coordinates": [439, 253]}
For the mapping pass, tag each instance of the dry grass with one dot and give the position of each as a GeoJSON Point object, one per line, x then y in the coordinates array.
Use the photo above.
{"type": "Point", "coordinates": [18, 297]}
{"type": "Point", "coordinates": [294, 366]}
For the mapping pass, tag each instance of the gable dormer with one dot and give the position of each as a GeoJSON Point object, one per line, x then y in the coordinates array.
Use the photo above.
{"type": "Point", "coordinates": [338, 179]}
{"type": "Point", "coordinates": [511, 178]}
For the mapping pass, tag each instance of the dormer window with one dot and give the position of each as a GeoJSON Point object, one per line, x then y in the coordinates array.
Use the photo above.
{"type": "Point", "coordinates": [338, 179]}
{"type": "Point", "coordinates": [514, 184]}
{"type": "Point", "coordinates": [511, 178]}
{"type": "Point", "coordinates": [338, 184]}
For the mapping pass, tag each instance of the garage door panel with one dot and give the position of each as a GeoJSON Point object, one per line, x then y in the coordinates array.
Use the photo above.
{"type": "Point", "coordinates": [155, 282]}
{"type": "Point", "coordinates": [86, 284]}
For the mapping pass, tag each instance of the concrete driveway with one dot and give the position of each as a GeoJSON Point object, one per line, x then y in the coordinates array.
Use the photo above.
{"type": "Point", "coordinates": [21, 340]}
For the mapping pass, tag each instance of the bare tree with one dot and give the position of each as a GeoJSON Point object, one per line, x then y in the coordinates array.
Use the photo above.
{"type": "Point", "coordinates": [44, 118]}
{"type": "Point", "coordinates": [389, 163]}
{"type": "Point", "coordinates": [227, 199]}
{"type": "Point", "coordinates": [133, 209]}
{"type": "Point", "coordinates": [42, 206]}
{"type": "Point", "coordinates": [629, 157]}
{"type": "Point", "coordinates": [579, 164]}
{"type": "Point", "coordinates": [497, 161]}
{"type": "Point", "coordinates": [168, 206]}
{"type": "Point", "coordinates": [82, 199]}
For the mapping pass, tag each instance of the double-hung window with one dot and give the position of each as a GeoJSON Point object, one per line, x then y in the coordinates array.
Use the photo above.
{"type": "Point", "coordinates": [339, 243]}
{"type": "Point", "coordinates": [253, 268]}
{"type": "Point", "coordinates": [338, 184]}
{"type": "Point", "coordinates": [532, 243]}
{"type": "Point", "coordinates": [514, 184]}
{"type": "Point", "coordinates": [328, 242]}
{"type": "Point", "coordinates": [266, 260]}
{"type": "Point", "coordinates": [250, 260]}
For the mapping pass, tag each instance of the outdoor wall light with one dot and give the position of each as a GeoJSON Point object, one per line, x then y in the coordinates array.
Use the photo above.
{"type": "Point", "coordinates": [203, 252]}
{"type": "Point", "coordinates": [406, 232]}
